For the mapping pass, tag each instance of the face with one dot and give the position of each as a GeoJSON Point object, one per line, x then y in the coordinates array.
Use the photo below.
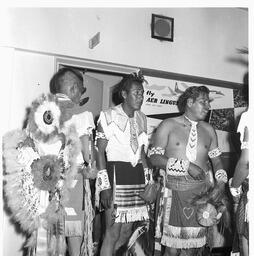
{"type": "Point", "coordinates": [134, 97]}
{"type": "Point", "coordinates": [200, 106]}
{"type": "Point", "coordinates": [72, 87]}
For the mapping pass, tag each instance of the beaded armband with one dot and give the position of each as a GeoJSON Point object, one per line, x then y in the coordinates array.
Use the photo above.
{"type": "Point", "coordinates": [214, 153]}
{"type": "Point", "coordinates": [102, 180]}
{"type": "Point", "coordinates": [221, 175]}
{"type": "Point", "coordinates": [156, 150]}
{"type": "Point", "coordinates": [100, 135]}
{"type": "Point", "coordinates": [236, 192]}
{"type": "Point", "coordinates": [177, 167]}
{"type": "Point", "coordinates": [148, 175]}
{"type": "Point", "coordinates": [245, 145]}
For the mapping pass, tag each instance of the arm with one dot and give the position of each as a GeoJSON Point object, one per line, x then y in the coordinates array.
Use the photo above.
{"type": "Point", "coordinates": [143, 157]}
{"type": "Point", "coordinates": [215, 156]}
{"type": "Point", "coordinates": [196, 172]}
{"type": "Point", "coordinates": [84, 125]}
{"type": "Point", "coordinates": [220, 174]}
{"type": "Point", "coordinates": [88, 152]}
{"type": "Point", "coordinates": [148, 172]}
{"type": "Point", "coordinates": [241, 171]}
{"type": "Point", "coordinates": [160, 142]}
{"type": "Point", "coordinates": [242, 166]}
{"type": "Point", "coordinates": [106, 195]}
{"type": "Point", "coordinates": [101, 145]}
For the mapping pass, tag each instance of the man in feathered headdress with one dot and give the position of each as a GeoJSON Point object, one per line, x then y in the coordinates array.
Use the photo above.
{"type": "Point", "coordinates": [67, 85]}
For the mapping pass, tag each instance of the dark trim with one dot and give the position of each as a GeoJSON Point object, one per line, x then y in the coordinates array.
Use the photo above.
{"type": "Point", "coordinates": [95, 71]}
{"type": "Point", "coordinates": [189, 78]}
{"type": "Point", "coordinates": [151, 72]}
{"type": "Point", "coordinates": [164, 116]}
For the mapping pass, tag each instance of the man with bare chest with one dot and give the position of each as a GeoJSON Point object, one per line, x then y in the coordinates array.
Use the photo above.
{"type": "Point", "coordinates": [182, 147]}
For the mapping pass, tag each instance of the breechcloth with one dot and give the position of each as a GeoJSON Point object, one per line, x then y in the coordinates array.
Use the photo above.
{"type": "Point", "coordinates": [180, 227]}
{"type": "Point", "coordinates": [127, 182]}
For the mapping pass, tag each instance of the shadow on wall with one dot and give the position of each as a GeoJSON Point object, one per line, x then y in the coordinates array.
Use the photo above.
{"type": "Point", "coordinates": [7, 210]}
{"type": "Point", "coordinates": [13, 223]}
{"type": "Point", "coordinates": [241, 58]}
{"type": "Point", "coordinates": [28, 110]}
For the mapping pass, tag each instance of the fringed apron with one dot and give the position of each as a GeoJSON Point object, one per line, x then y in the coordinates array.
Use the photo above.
{"type": "Point", "coordinates": [180, 227]}
{"type": "Point", "coordinates": [128, 182]}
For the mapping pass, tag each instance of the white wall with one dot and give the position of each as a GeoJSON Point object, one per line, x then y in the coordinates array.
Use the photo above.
{"type": "Point", "coordinates": [204, 37]}
{"type": "Point", "coordinates": [28, 76]}
{"type": "Point", "coordinates": [31, 76]}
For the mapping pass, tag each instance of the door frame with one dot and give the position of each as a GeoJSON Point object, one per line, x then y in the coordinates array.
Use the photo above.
{"type": "Point", "coordinates": [96, 67]}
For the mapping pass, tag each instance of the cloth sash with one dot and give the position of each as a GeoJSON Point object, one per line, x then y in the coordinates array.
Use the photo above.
{"type": "Point", "coordinates": [183, 183]}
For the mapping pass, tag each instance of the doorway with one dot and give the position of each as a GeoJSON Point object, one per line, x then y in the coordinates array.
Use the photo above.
{"type": "Point", "coordinates": [100, 79]}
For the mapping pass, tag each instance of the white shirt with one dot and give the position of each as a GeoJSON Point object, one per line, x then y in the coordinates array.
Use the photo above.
{"type": "Point", "coordinates": [83, 123]}
{"type": "Point", "coordinates": [116, 127]}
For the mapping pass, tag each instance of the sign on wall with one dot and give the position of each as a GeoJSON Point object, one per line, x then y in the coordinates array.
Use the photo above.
{"type": "Point", "coordinates": [161, 95]}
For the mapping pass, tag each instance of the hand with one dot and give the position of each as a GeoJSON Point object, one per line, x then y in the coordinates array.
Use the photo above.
{"type": "Point", "coordinates": [90, 172]}
{"type": "Point", "coordinates": [217, 192]}
{"type": "Point", "coordinates": [221, 209]}
{"type": "Point", "coordinates": [106, 198]}
{"type": "Point", "coordinates": [196, 172]}
{"type": "Point", "coordinates": [246, 134]}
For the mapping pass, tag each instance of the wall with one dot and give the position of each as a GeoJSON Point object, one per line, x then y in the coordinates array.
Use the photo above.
{"type": "Point", "coordinates": [28, 76]}
{"type": "Point", "coordinates": [205, 38]}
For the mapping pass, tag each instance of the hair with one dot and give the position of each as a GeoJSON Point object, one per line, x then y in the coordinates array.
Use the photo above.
{"type": "Point", "coordinates": [127, 81]}
{"type": "Point", "coordinates": [245, 88]}
{"type": "Point", "coordinates": [56, 81]}
{"type": "Point", "coordinates": [192, 92]}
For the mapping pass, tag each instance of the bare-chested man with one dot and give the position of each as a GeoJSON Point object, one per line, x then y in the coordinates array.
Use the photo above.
{"type": "Point", "coordinates": [182, 146]}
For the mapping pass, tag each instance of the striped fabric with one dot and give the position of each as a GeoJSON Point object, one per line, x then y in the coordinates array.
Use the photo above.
{"type": "Point", "coordinates": [129, 195]}
{"type": "Point", "coordinates": [42, 241]}
{"type": "Point", "coordinates": [128, 182]}
{"type": "Point", "coordinates": [130, 207]}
